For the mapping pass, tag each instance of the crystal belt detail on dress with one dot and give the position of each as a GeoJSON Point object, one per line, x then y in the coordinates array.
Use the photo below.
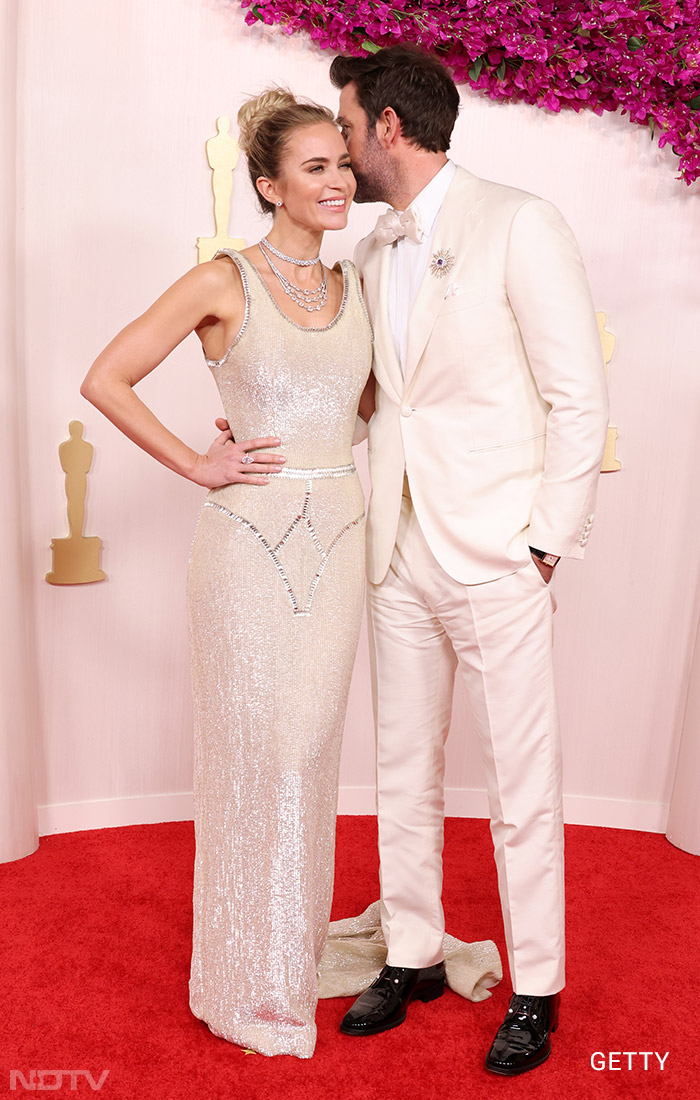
{"type": "Point", "coordinates": [315, 471]}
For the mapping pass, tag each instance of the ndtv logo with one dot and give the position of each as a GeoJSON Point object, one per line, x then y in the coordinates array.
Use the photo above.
{"type": "Point", "coordinates": [48, 1080]}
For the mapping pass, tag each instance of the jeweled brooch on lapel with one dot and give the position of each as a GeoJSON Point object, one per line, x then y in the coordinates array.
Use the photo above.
{"type": "Point", "coordinates": [442, 262]}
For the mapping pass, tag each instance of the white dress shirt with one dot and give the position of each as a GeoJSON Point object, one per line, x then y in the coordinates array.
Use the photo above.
{"type": "Point", "coordinates": [410, 260]}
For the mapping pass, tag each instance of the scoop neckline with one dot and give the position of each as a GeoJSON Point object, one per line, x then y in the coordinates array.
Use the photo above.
{"type": "Point", "coordinates": [305, 328]}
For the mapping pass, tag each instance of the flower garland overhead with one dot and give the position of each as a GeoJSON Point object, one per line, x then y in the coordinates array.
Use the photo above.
{"type": "Point", "coordinates": [601, 55]}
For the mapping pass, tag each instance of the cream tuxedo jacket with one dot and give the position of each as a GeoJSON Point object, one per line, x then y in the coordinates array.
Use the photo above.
{"type": "Point", "coordinates": [500, 415]}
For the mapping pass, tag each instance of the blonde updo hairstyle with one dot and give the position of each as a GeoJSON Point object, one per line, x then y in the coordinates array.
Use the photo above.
{"type": "Point", "coordinates": [265, 124]}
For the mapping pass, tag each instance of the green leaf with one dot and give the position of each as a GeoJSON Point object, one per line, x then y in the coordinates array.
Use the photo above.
{"type": "Point", "coordinates": [581, 79]}
{"type": "Point", "coordinates": [370, 47]}
{"type": "Point", "coordinates": [634, 43]}
{"type": "Point", "coordinates": [652, 128]}
{"type": "Point", "coordinates": [501, 70]}
{"type": "Point", "coordinates": [694, 103]}
{"type": "Point", "coordinates": [475, 71]}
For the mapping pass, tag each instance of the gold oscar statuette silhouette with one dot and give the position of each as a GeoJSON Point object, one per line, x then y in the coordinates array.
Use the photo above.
{"type": "Point", "coordinates": [611, 462]}
{"type": "Point", "coordinates": [76, 559]}
{"type": "Point", "coordinates": [222, 154]}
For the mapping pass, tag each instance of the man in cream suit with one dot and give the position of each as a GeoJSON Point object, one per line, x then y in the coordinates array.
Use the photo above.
{"type": "Point", "coordinates": [484, 452]}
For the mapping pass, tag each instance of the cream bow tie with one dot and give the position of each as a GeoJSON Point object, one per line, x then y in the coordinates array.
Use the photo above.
{"type": "Point", "coordinates": [393, 225]}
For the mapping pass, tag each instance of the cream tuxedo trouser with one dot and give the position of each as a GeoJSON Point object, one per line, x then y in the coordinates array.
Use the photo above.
{"type": "Point", "coordinates": [425, 625]}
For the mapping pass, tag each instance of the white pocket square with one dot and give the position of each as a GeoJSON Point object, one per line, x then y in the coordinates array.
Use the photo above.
{"type": "Point", "coordinates": [452, 290]}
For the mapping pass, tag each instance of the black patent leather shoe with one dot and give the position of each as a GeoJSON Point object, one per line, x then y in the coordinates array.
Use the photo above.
{"type": "Point", "coordinates": [523, 1041]}
{"type": "Point", "coordinates": [385, 1003]}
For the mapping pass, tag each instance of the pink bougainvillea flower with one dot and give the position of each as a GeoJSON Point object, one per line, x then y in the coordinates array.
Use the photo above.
{"type": "Point", "coordinates": [602, 55]}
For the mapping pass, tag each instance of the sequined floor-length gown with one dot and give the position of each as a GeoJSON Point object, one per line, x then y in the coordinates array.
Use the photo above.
{"type": "Point", "coordinates": [275, 594]}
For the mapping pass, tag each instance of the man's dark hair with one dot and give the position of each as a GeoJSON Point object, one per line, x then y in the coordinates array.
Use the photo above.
{"type": "Point", "coordinates": [416, 85]}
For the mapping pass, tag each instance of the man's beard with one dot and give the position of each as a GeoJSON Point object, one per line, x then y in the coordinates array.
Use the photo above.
{"type": "Point", "coordinates": [368, 189]}
{"type": "Point", "coordinates": [374, 179]}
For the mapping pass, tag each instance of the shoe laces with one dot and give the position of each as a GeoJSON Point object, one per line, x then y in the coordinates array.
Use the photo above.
{"type": "Point", "coordinates": [391, 975]}
{"type": "Point", "coordinates": [524, 1006]}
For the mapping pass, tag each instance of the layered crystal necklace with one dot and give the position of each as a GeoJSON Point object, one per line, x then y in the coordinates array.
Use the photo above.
{"type": "Point", "coordinates": [310, 300]}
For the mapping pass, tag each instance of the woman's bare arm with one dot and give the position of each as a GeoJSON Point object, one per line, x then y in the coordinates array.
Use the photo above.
{"type": "Point", "coordinates": [208, 300]}
{"type": "Point", "coordinates": [367, 400]}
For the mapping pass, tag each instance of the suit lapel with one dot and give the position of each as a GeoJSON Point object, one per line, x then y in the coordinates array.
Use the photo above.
{"type": "Point", "coordinates": [376, 289]}
{"type": "Point", "coordinates": [456, 225]}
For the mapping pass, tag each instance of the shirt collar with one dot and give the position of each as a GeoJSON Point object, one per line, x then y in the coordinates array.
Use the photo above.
{"type": "Point", "coordinates": [427, 202]}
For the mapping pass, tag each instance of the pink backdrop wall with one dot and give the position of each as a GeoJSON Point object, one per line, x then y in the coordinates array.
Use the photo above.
{"type": "Point", "coordinates": [116, 100]}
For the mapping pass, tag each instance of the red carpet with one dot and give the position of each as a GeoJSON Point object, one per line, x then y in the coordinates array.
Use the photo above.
{"type": "Point", "coordinates": [96, 939]}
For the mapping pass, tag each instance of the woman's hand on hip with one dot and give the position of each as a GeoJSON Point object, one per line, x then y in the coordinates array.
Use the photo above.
{"type": "Point", "coordinates": [227, 462]}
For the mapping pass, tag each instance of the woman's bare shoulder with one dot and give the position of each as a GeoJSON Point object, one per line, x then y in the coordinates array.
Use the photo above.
{"type": "Point", "coordinates": [217, 280]}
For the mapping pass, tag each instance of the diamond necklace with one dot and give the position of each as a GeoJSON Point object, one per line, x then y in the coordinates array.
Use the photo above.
{"type": "Point", "coordinates": [289, 259]}
{"type": "Point", "coordinates": [310, 300]}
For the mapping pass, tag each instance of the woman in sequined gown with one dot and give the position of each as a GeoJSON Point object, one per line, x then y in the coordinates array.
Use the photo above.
{"type": "Point", "coordinates": [276, 577]}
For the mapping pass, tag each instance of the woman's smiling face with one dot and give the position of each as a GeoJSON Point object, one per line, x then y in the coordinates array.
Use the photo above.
{"type": "Point", "coordinates": [316, 184]}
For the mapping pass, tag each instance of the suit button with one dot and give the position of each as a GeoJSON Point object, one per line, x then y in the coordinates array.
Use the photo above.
{"type": "Point", "coordinates": [406, 410]}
